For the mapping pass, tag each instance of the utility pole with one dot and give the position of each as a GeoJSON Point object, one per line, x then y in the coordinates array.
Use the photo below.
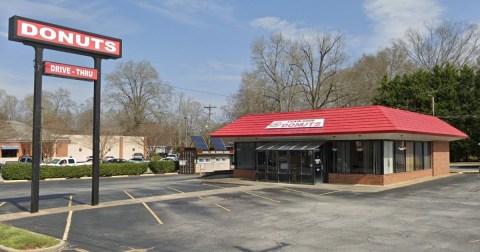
{"type": "Point", "coordinates": [210, 107]}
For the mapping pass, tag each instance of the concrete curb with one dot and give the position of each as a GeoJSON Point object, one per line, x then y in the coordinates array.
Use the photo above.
{"type": "Point", "coordinates": [61, 245]}
{"type": "Point", "coordinates": [119, 176]}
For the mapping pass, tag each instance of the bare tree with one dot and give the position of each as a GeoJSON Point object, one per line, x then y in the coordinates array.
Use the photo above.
{"type": "Point", "coordinates": [135, 89]}
{"type": "Point", "coordinates": [8, 106]}
{"type": "Point", "coordinates": [318, 62]}
{"type": "Point", "coordinates": [272, 60]}
{"type": "Point", "coordinates": [455, 43]}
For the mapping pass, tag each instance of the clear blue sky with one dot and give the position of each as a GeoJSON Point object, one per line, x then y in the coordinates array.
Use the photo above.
{"type": "Point", "coordinates": [205, 45]}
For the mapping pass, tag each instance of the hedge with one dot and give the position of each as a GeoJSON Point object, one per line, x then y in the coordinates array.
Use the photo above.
{"type": "Point", "coordinates": [18, 171]}
{"type": "Point", "coordinates": [162, 166]}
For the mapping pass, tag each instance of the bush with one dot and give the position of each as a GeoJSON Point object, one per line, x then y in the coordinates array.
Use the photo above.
{"type": "Point", "coordinates": [18, 171]}
{"type": "Point", "coordinates": [162, 166]}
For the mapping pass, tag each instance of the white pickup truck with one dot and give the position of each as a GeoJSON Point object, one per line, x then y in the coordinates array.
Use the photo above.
{"type": "Point", "coordinates": [63, 162]}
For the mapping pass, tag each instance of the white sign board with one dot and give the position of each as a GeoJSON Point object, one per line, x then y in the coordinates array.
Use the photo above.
{"type": "Point", "coordinates": [293, 124]}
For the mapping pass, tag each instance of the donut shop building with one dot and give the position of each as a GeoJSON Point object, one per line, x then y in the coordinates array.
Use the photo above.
{"type": "Point", "coordinates": [373, 145]}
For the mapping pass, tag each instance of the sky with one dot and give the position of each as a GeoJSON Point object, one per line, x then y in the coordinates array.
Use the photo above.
{"type": "Point", "coordinates": [201, 48]}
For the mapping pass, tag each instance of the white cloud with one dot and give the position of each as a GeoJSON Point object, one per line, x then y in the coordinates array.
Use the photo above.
{"type": "Point", "coordinates": [97, 16]}
{"type": "Point", "coordinates": [3, 34]}
{"type": "Point", "coordinates": [191, 12]}
{"type": "Point", "coordinates": [288, 29]}
{"type": "Point", "coordinates": [392, 18]}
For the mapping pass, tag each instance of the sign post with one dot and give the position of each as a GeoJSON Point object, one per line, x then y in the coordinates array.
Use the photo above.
{"type": "Point", "coordinates": [37, 129]}
{"type": "Point", "coordinates": [42, 35]}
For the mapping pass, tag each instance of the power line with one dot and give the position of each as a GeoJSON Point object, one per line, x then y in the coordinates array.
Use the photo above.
{"type": "Point", "coordinates": [199, 91]}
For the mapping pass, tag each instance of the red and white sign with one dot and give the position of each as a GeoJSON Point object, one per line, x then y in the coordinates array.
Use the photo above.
{"type": "Point", "coordinates": [59, 37]}
{"type": "Point", "coordinates": [293, 124]}
{"type": "Point", "coordinates": [69, 71]}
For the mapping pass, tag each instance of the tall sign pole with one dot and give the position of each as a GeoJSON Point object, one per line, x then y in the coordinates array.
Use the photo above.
{"type": "Point", "coordinates": [42, 35]}
{"type": "Point", "coordinates": [37, 129]}
{"type": "Point", "coordinates": [96, 133]}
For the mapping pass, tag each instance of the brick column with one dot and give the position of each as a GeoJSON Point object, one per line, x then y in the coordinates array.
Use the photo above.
{"type": "Point", "coordinates": [440, 158]}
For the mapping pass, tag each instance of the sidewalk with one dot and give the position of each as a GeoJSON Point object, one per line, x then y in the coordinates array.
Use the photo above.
{"type": "Point", "coordinates": [326, 186]}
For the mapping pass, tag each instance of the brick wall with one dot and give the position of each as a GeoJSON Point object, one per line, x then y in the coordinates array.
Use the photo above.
{"type": "Point", "coordinates": [393, 178]}
{"type": "Point", "coordinates": [367, 179]}
{"type": "Point", "coordinates": [440, 158]}
{"type": "Point", "coordinates": [245, 174]}
{"type": "Point", "coordinates": [371, 179]}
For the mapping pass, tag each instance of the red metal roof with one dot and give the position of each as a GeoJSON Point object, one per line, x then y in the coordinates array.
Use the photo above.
{"type": "Point", "coordinates": [355, 120]}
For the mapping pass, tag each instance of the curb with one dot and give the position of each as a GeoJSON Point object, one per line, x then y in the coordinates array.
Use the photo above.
{"type": "Point", "coordinates": [62, 244]}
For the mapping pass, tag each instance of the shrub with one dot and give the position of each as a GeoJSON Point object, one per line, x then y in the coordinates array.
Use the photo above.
{"type": "Point", "coordinates": [162, 166]}
{"type": "Point", "coordinates": [18, 171]}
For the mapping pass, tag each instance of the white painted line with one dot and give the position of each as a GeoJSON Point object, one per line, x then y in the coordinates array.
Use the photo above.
{"type": "Point", "coordinates": [2, 203]}
{"type": "Point", "coordinates": [153, 213]}
{"type": "Point", "coordinates": [148, 208]}
{"type": "Point", "coordinates": [262, 197]}
{"type": "Point", "coordinates": [207, 184]}
{"type": "Point", "coordinates": [128, 194]}
{"type": "Point", "coordinates": [313, 194]}
{"type": "Point", "coordinates": [224, 208]}
{"type": "Point", "coordinates": [218, 205]}
{"type": "Point", "coordinates": [175, 189]}
{"type": "Point", "coordinates": [69, 220]}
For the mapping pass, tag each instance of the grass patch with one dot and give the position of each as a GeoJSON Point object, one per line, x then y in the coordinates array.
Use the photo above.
{"type": "Point", "coordinates": [21, 239]}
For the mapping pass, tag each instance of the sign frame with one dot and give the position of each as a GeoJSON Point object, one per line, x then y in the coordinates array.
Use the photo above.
{"type": "Point", "coordinates": [14, 36]}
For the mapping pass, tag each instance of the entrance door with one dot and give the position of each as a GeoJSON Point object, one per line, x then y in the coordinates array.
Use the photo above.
{"type": "Point", "coordinates": [261, 166]}
{"type": "Point", "coordinates": [318, 166]}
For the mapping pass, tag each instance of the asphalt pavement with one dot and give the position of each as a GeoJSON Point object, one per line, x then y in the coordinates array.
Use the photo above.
{"type": "Point", "coordinates": [187, 213]}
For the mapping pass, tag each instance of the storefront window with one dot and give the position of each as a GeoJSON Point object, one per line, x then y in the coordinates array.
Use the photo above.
{"type": "Point", "coordinates": [388, 157]}
{"type": "Point", "coordinates": [427, 154]}
{"type": "Point", "coordinates": [410, 156]}
{"type": "Point", "coordinates": [419, 156]}
{"type": "Point", "coordinates": [400, 157]}
{"type": "Point", "coordinates": [283, 168]}
{"type": "Point", "coordinates": [245, 155]}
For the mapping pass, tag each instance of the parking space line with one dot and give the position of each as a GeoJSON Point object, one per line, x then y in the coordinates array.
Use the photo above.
{"type": "Point", "coordinates": [148, 208]}
{"type": "Point", "coordinates": [69, 220]}
{"type": "Point", "coordinates": [2, 203]}
{"type": "Point", "coordinates": [262, 197]}
{"type": "Point", "coordinates": [207, 184]}
{"type": "Point", "coordinates": [218, 205]}
{"type": "Point", "coordinates": [175, 189]}
{"type": "Point", "coordinates": [313, 194]}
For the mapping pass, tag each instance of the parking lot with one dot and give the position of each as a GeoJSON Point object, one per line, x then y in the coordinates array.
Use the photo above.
{"type": "Point", "coordinates": [185, 213]}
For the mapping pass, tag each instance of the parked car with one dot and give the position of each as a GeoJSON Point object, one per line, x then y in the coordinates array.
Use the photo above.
{"type": "Point", "coordinates": [107, 158]}
{"type": "Point", "coordinates": [116, 160]}
{"type": "Point", "coordinates": [25, 159]}
{"type": "Point", "coordinates": [169, 159]}
{"type": "Point", "coordinates": [137, 160]}
{"type": "Point", "coordinates": [137, 155]}
{"type": "Point", "coordinates": [62, 162]}
{"type": "Point", "coordinates": [174, 157]}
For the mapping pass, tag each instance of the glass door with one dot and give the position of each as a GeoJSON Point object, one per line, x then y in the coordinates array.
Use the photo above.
{"type": "Point", "coordinates": [261, 166]}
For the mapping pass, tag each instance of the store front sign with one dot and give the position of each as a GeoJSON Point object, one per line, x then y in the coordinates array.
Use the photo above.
{"type": "Point", "coordinates": [293, 124]}
{"type": "Point", "coordinates": [69, 71]}
{"type": "Point", "coordinates": [61, 38]}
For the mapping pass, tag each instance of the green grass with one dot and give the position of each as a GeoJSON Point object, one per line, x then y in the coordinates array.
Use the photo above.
{"type": "Point", "coordinates": [21, 239]}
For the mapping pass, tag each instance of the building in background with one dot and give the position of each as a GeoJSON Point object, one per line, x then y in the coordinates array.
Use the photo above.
{"type": "Point", "coordinates": [16, 141]}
